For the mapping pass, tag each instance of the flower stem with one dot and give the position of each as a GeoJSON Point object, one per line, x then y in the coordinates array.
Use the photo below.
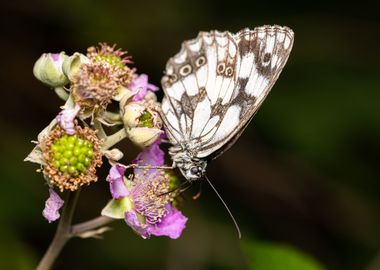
{"type": "Point", "coordinates": [114, 139]}
{"type": "Point", "coordinates": [62, 235]}
{"type": "Point", "coordinates": [65, 230]}
{"type": "Point", "coordinates": [86, 226]}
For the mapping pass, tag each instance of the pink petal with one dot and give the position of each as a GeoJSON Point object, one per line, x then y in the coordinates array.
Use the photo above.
{"type": "Point", "coordinates": [66, 119]}
{"type": "Point", "coordinates": [142, 86]}
{"type": "Point", "coordinates": [171, 225]}
{"type": "Point", "coordinates": [133, 221]}
{"type": "Point", "coordinates": [153, 155]}
{"type": "Point", "coordinates": [52, 205]}
{"type": "Point", "coordinates": [116, 180]}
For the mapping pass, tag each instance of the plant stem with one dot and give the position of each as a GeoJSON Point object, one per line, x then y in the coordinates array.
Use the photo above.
{"type": "Point", "coordinates": [62, 235]}
{"type": "Point", "coordinates": [114, 139]}
{"type": "Point", "coordinates": [65, 230]}
{"type": "Point", "coordinates": [90, 225]}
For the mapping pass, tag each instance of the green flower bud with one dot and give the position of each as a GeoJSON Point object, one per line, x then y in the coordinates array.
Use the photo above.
{"type": "Point", "coordinates": [142, 121]}
{"type": "Point", "coordinates": [48, 69]}
{"type": "Point", "coordinates": [143, 136]}
{"type": "Point", "coordinates": [132, 113]}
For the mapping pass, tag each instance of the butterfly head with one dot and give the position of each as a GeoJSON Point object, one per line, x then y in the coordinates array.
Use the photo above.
{"type": "Point", "coordinates": [191, 167]}
{"type": "Point", "coordinates": [194, 171]}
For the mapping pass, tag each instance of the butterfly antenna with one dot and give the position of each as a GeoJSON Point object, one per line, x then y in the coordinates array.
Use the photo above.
{"type": "Point", "coordinates": [225, 205]}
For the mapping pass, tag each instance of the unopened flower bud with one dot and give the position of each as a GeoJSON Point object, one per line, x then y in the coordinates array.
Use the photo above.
{"type": "Point", "coordinates": [71, 65]}
{"type": "Point", "coordinates": [144, 136]}
{"type": "Point", "coordinates": [142, 122]}
{"type": "Point", "coordinates": [48, 69]}
{"type": "Point", "coordinates": [132, 113]}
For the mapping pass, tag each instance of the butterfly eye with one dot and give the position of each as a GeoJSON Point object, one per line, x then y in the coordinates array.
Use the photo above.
{"type": "Point", "coordinates": [221, 67]}
{"type": "Point", "coordinates": [185, 70]}
{"type": "Point", "coordinates": [229, 71]}
{"type": "Point", "coordinates": [200, 61]}
{"type": "Point", "coordinates": [194, 170]}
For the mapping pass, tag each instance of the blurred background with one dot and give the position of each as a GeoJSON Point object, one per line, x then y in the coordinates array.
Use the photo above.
{"type": "Point", "coordinates": [302, 181]}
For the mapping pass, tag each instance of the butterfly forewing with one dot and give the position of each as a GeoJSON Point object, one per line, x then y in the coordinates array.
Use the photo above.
{"type": "Point", "coordinates": [216, 83]}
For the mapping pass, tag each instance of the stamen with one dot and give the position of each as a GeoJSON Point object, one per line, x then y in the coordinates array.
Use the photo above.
{"type": "Point", "coordinates": [147, 199]}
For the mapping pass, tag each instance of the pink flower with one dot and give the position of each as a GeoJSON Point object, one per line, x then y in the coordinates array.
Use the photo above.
{"type": "Point", "coordinates": [150, 211]}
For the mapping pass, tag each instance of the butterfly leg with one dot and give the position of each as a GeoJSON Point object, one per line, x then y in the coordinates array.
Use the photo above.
{"type": "Point", "coordinates": [196, 196]}
{"type": "Point", "coordinates": [150, 167]}
{"type": "Point", "coordinates": [180, 188]}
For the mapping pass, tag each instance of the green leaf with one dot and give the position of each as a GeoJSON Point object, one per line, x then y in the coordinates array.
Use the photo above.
{"type": "Point", "coordinates": [270, 256]}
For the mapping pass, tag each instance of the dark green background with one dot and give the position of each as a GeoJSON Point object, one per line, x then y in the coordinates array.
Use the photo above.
{"type": "Point", "coordinates": [304, 174]}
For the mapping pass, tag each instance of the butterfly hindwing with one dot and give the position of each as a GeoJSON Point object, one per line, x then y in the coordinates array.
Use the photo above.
{"type": "Point", "coordinates": [263, 53]}
{"type": "Point", "coordinates": [216, 83]}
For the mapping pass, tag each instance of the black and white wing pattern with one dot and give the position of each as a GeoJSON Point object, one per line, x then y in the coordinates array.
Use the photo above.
{"type": "Point", "coordinates": [217, 82]}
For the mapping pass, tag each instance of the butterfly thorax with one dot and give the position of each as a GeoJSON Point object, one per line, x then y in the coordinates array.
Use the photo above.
{"type": "Point", "coordinates": [191, 167]}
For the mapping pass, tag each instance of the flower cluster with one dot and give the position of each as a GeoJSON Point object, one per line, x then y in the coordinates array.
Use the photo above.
{"type": "Point", "coordinates": [73, 146]}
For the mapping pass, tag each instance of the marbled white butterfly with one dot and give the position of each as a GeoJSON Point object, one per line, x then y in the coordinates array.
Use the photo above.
{"type": "Point", "coordinates": [214, 86]}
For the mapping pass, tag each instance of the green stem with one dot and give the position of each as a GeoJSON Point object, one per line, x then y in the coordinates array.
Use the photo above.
{"type": "Point", "coordinates": [63, 233]}
{"type": "Point", "coordinates": [114, 139]}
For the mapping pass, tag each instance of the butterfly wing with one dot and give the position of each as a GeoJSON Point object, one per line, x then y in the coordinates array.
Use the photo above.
{"type": "Point", "coordinates": [216, 83]}
{"type": "Point", "coordinates": [192, 86]}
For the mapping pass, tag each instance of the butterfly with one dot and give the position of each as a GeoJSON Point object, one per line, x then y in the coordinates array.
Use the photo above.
{"type": "Point", "coordinates": [214, 86]}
